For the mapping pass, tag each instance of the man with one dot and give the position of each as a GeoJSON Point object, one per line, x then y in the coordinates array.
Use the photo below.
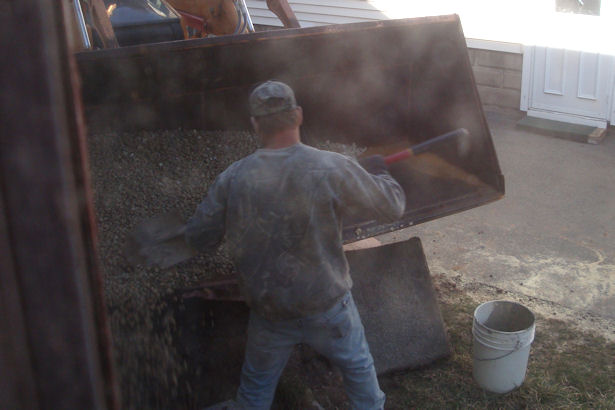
{"type": "Point", "coordinates": [281, 210]}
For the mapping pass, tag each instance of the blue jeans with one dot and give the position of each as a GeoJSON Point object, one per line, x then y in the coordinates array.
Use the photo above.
{"type": "Point", "coordinates": [336, 334]}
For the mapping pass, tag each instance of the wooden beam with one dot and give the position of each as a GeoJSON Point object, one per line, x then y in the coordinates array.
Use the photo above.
{"type": "Point", "coordinates": [596, 136]}
{"type": "Point", "coordinates": [47, 239]}
{"type": "Point", "coordinates": [16, 380]}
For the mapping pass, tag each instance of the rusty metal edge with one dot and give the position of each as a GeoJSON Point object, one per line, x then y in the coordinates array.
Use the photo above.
{"type": "Point", "coordinates": [135, 51]}
{"type": "Point", "coordinates": [89, 229]}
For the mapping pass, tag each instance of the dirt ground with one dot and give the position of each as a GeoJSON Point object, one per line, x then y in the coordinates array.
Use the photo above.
{"type": "Point", "coordinates": [583, 321]}
{"type": "Point", "coordinates": [309, 379]}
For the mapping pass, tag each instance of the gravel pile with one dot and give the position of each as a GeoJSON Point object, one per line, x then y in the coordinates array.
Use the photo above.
{"type": "Point", "coordinates": [136, 176]}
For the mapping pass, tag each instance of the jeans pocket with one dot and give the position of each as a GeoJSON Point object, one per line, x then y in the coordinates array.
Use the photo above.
{"type": "Point", "coordinates": [339, 323]}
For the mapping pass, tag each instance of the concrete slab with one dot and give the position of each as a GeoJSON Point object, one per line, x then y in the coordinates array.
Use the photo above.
{"type": "Point", "coordinates": [550, 240]}
{"type": "Point", "coordinates": [575, 132]}
{"type": "Point", "coordinates": [399, 309]}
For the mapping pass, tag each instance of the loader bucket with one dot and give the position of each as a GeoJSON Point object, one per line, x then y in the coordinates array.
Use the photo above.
{"type": "Point", "coordinates": [383, 86]}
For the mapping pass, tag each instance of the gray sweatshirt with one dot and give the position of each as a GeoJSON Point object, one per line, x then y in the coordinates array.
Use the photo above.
{"type": "Point", "coordinates": [281, 211]}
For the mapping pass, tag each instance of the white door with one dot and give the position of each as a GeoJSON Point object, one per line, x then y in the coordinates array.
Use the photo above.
{"type": "Point", "coordinates": [567, 85]}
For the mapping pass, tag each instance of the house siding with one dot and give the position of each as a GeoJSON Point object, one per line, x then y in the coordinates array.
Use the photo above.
{"type": "Point", "coordinates": [312, 13]}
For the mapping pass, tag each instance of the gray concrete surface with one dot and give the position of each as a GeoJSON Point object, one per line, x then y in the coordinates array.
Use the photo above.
{"type": "Point", "coordinates": [550, 242]}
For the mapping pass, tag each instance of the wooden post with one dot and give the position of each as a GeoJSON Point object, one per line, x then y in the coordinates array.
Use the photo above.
{"type": "Point", "coordinates": [55, 349]}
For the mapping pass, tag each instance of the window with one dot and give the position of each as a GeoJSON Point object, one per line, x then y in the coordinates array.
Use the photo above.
{"type": "Point", "coordinates": [590, 7]}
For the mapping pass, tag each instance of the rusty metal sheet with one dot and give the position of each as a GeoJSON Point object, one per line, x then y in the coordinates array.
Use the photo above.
{"type": "Point", "coordinates": [382, 85]}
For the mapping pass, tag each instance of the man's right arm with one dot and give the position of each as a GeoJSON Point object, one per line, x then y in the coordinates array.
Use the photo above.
{"type": "Point", "coordinates": [205, 229]}
{"type": "Point", "coordinates": [370, 190]}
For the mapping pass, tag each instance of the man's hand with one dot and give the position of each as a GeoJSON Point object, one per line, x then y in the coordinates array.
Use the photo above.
{"type": "Point", "coordinates": [374, 164]}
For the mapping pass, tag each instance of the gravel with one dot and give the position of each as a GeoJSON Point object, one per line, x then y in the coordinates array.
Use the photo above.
{"type": "Point", "coordinates": [137, 175]}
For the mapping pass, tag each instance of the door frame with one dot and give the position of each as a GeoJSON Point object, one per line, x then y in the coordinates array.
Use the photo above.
{"type": "Point", "coordinates": [612, 98]}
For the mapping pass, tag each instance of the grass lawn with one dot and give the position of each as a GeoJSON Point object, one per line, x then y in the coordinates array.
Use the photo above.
{"type": "Point", "coordinates": [567, 368]}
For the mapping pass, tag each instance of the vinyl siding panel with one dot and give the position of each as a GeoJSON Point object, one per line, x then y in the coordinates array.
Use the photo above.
{"type": "Point", "coordinates": [316, 13]}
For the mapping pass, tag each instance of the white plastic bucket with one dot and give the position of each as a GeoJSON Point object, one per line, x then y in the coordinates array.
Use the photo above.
{"type": "Point", "coordinates": [503, 333]}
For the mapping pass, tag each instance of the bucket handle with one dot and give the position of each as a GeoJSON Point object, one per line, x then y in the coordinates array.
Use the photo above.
{"type": "Point", "coordinates": [515, 349]}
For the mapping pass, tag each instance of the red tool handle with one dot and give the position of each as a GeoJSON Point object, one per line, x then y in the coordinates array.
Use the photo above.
{"type": "Point", "coordinates": [398, 156]}
{"type": "Point", "coordinates": [424, 146]}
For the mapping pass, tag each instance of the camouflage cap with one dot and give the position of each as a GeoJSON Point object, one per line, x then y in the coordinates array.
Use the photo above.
{"type": "Point", "coordinates": [271, 97]}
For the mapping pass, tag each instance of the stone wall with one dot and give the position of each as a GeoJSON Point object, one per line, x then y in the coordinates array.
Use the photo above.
{"type": "Point", "coordinates": [498, 78]}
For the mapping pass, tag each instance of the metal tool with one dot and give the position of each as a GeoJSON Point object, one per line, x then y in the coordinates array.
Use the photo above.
{"type": "Point", "coordinates": [461, 136]}
{"type": "Point", "coordinates": [158, 241]}
{"type": "Point", "coordinates": [83, 30]}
